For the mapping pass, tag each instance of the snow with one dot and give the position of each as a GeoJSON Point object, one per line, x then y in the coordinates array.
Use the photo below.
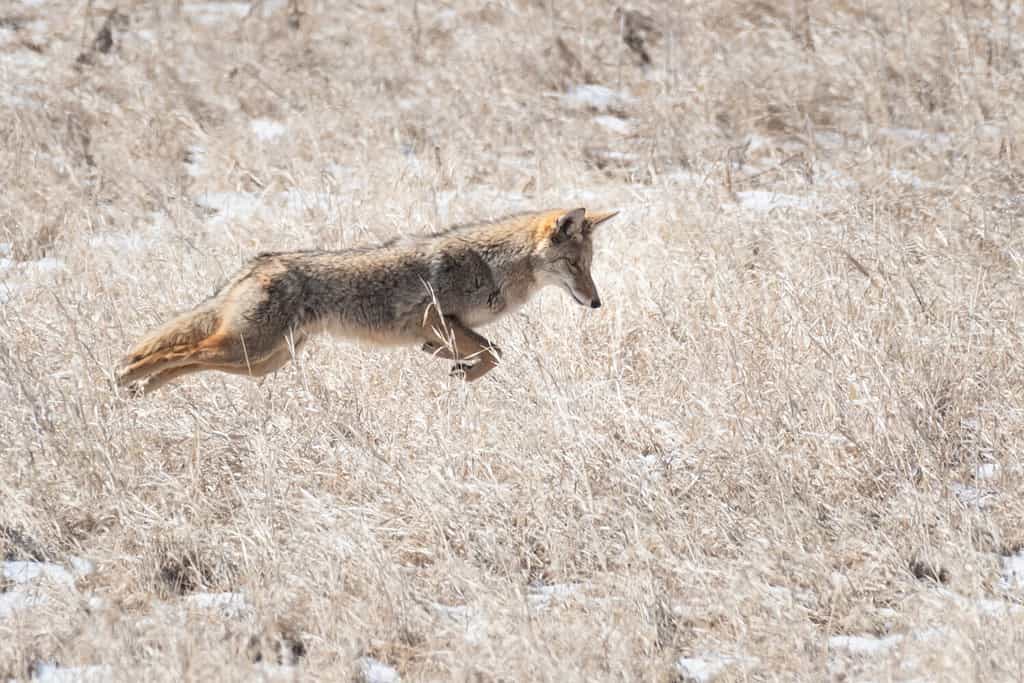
{"type": "Point", "coordinates": [229, 205]}
{"type": "Point", "coordinates": [541, 596]}
{"type": "Point", "coordinates": [597, 97]}
{"type": "Point", "coordinates": [972, 496]}
{"type": "Point", "coordinates": [267, 129]}
{"type": "Point", "coordinates": [232, 604]}
{"type": "Point", "coordinates": [761, 200]}
{"type": "Point", "coordinates": [14, 600]}
{"type": "Point", "coordinates": [117, 241]}
{"type": "Point", "coordinates": [1013, 572]}
{"type": "Point", "coordinates": [373, 671]}
{"type": "Point", "coordinates": [213, 13]}
{"type": "Point", "coordinates": [864, 645]}
{"type": "Point", "coordinates": [23, 572]}
{"type": "Point", "coordinates": [18, 276]}
{"type": "Point", "coordinates": [988, 470]}
{"type": "Point", "coordinates": [52, 673]}
{"type": "Point", "coordinates": [195, 161]}
{"type": "Point", "coordinates": [471, 623]}
{"type": "Point", "coordinates": [614, 124]}
{"type": "Point", "coordinates": [913, 135]}
{"type": "Point", "coordinates": [708, 667]}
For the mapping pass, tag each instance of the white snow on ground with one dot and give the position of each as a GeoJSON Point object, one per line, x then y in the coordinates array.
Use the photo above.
{"type": "Point", "coordinates": [470, 622]}
{"type": "Point", "coordinates": [195, 161]}
{"type": "Point", "coordinates": [614, 124]}
{"type": "Point", "coordinates": [213, 13]}
{"type": "Point", "coordinates": [972, 496]}
{"type": "Point", "coordinates": [231, 604]}
{"type": "Point", "coordinates": [118, 241]}
{"type": "Point", "coordinates": [596, 97]}
{"type": "Point", "coordinates": [541, 597]}
{"type": "Point", "coordinates": [987, 470]}
{"type": "Point", "coordinates": [18, 599]}
{"type": "Point", "coordinates": [267, 129]}
{"type": "Point", "coordinates": [761, 200]}
{"type": "Point", "coordinates": [864, 645]}
{"type": "Point", "coordinates": [238, 206]}
{"type": "Point", "coordinates": [706, 668]}
{"type": "Point", "coordinates": [984, 605]}
{"type": "Point", "coordinates": [22, 572]}
{"type": "Point", "coordinates": [51, 673]}
{"type": "Point", "coordinates": [373, 671]}
{"type": "Point", "coordinates": [30, 578]}
{"type": "Point", "coordinates": [18, 276]}
{"type": "Point", "coordinates": [913, 135]}
{"type": "Point", "coordinates": [1013, 572]}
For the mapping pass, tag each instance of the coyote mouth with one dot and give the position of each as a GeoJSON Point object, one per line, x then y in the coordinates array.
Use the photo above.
{"type": "Point", "coordinates": [575, 298]}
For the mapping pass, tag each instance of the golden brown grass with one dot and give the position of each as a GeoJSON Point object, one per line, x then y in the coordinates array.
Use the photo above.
{"type": "Point", "coordinates": [769, 438]}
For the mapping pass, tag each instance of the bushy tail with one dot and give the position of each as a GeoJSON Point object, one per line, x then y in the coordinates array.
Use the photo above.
{"type": "Point", "coordinates": [172, 341]}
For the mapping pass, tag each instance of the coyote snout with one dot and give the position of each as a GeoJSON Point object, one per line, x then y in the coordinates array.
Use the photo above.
{"type": "Point", "coordinates": [430, 290]}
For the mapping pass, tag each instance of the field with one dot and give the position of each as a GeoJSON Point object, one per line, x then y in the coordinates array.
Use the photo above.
{"type": "Point", "coordinates": [786, 448]}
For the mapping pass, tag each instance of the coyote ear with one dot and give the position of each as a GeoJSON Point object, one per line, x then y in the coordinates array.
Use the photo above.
{"type": "Point", "coordinates": [596, 219]}
{"type": "Point", "coordinates": [569, 225]}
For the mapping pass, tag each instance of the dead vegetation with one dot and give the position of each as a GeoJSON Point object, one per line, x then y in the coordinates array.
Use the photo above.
{"type": "Point", "coordinates": [786, 448]}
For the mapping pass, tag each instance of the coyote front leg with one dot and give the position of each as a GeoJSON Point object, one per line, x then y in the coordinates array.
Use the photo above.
{"type": "Point", "coordinates": [451, 340]}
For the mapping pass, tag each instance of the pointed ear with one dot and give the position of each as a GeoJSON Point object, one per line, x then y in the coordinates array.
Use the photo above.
{"type": "Point", "coordinates": [597, 218]}
{"type": "Point", "coordinates": [569, 225]}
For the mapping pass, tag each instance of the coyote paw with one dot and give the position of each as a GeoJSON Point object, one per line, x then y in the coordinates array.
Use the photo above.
{"type": "Point", "coordinates": [459, 370]}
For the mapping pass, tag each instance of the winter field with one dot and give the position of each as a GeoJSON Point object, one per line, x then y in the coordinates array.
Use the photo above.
{"type": "Point", "coordinates": [787, 447]}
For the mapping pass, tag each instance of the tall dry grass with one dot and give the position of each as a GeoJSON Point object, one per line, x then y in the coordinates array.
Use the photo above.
{"type": "Point", "coordinates": [797, 418]}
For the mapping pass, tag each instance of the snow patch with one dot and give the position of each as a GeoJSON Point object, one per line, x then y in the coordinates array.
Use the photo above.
{"type": "Point", "coordinates": [23, 572]}
{"type": "Point", "coordinates": [18, 276]}
{"type": "Point", "coordinates": [988, 470]}
{"type": "Point", "coordinates": [14, 600]}
{"type": "Point", "coordinates": [231, 604]}
{"type": "Point", "coordinates": [541, 596]}
{"type": "Point", "coordinates": [471, 622]}
{"type": "Point", "coordinates": [761, 200]}
{"type": "Point", "coordinates": [373, 671]}
{"type": "Point", "coordinates": [117, 241]}
{"type": "Point", "coordinates": [213, 13]}
{"type": "Point", "coordinates": [195, 161]}
{"type": "Point", "coordinates": [597, 97]}
{"type": "Point", "coordinates": [972, 496]}
{"type": "Point", "coordinates": [229, 205]}
{"type": "Point", "coordinates": [864, 645]}
{"type": "Point", "coordinates": [1013, 572]}
{"type": "Point", "coordinates": [708, 667]}
{"type": "Point", "coordinates": [913, 135]}
{"type": "Point", "coordinates": [614, 124]}
{"type": "Point", "coordinates": [52, 673]}
{"type": "Point", "coordinates": [267, 129]}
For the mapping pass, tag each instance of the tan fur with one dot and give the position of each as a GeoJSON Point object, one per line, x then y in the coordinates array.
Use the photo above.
{"type": "Point", "coordinates": [430, 290]}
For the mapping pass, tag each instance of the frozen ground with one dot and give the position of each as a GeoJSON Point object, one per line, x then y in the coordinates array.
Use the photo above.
{"type": "Point", "coordinates": [787, 447]}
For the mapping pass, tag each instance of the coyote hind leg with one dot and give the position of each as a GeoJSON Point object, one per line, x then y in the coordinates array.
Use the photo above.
{"type": "Point", "coordinates": [220, 353]}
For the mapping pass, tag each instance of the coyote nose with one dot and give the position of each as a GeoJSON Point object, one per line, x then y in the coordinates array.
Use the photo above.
{"type": "Point", "coordinates": [595, 303]}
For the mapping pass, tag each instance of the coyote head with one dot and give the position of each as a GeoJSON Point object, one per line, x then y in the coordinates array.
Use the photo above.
{"type": "Point", "coordinates": [566, 250]}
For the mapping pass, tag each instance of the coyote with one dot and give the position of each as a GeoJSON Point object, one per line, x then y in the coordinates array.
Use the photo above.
{"type": "Point", "coordinates": [430, 290]}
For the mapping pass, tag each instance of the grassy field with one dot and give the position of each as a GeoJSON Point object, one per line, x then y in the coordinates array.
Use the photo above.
{"type": "Point", "coordinates": [786, 448]}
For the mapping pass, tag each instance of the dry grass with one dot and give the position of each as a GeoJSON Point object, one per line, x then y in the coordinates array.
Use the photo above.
{"type": "Point", "coordinates": [768, 437]}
